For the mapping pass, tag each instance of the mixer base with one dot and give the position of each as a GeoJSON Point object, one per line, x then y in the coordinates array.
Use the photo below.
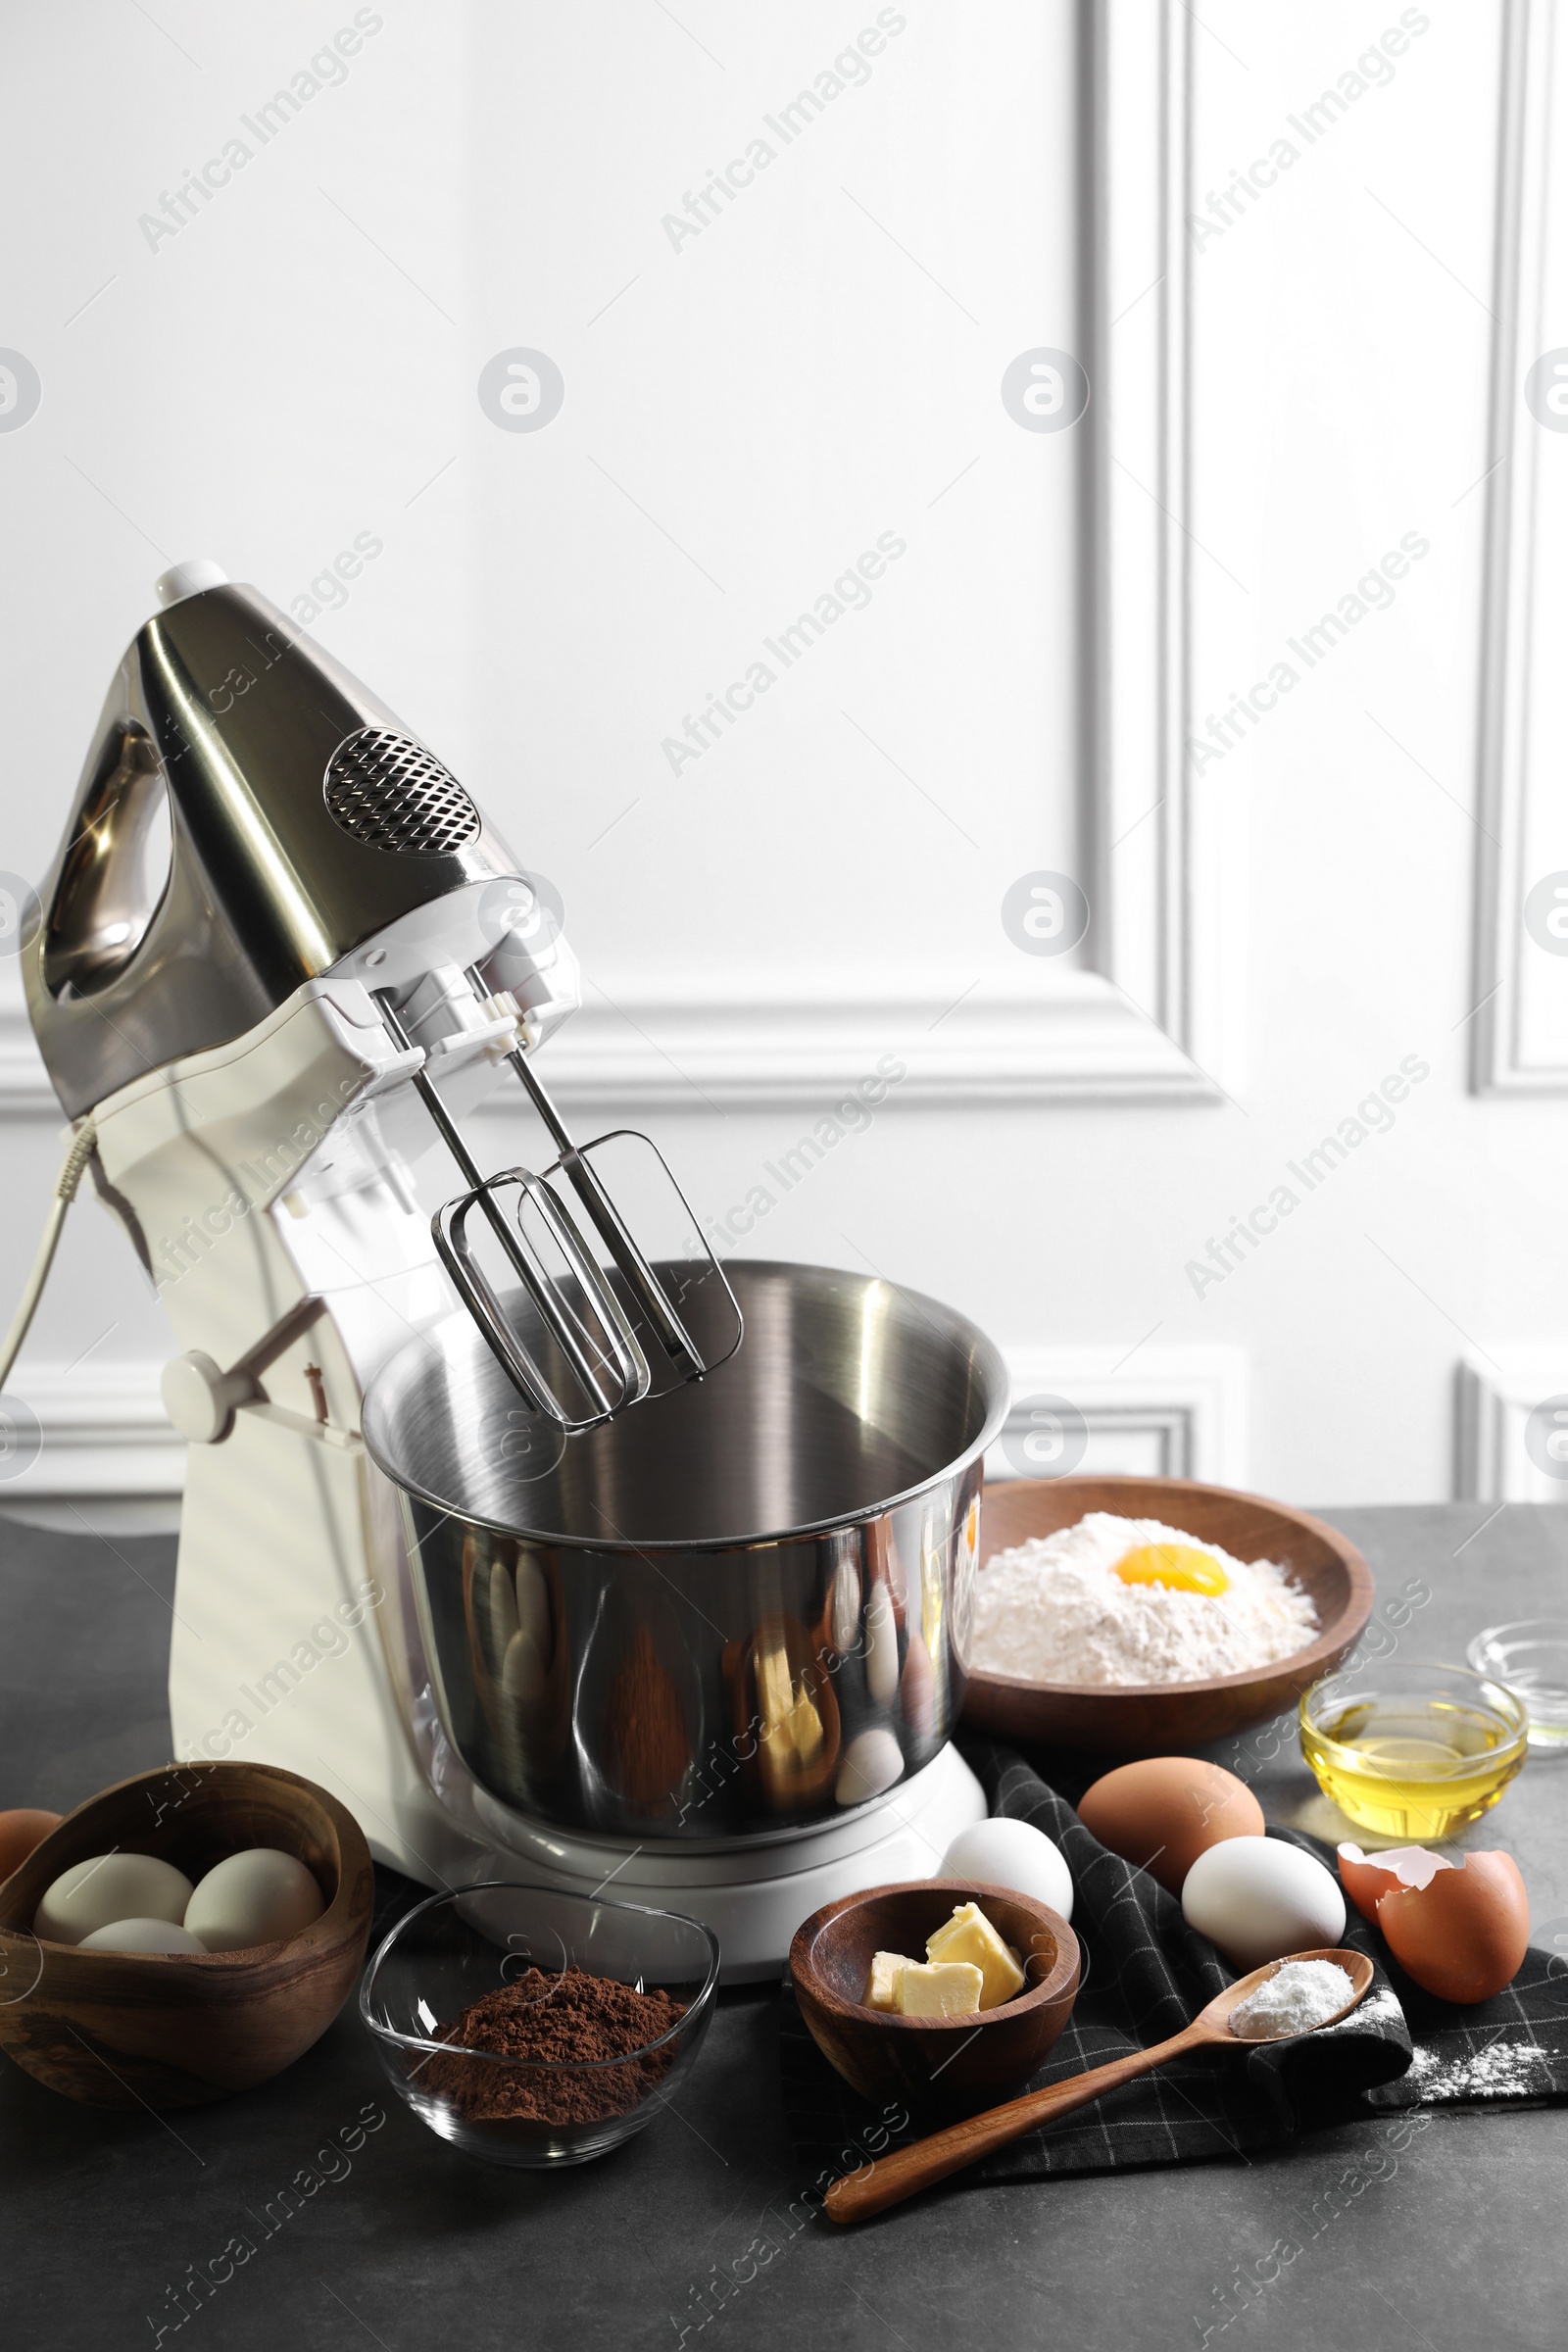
{"type": "Point", "coordinates": [754, 1898]}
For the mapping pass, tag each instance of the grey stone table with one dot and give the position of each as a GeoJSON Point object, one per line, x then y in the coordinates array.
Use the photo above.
{"type": "Point", "coordinates": [1450, 2238]}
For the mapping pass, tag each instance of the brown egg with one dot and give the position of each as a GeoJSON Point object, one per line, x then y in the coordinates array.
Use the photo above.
{"type": "Point", "coordinates": [1463, 1935]}
{"type": "Point", "coordinates": [20, 1833]}
{"type": "Point", "coordinates": [1164, 1812]}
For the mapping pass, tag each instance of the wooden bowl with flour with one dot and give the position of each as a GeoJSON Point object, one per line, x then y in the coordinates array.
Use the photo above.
{"type": "Point", "coordinates": [1161, 1719]}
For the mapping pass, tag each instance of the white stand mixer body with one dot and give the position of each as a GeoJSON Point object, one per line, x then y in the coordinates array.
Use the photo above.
{"type": "Point", "coordinates": [257, 1044]}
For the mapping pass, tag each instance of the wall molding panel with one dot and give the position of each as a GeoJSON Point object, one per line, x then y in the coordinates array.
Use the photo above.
{"type": "Point", "coordinates": [1085, 1040]}
{"type": "Point", "coordinates": [1495, 1450]}
{"type": "Point", "coordinates": [1177, 1412]}
{"type": "Point", "coordinates": [1170, 1413]}
{"type": "Point", "coordinates": [104, 1429]}
{"type": "Point", "coordinates": [1126, 1030]}
{"type": "Point", "coordinates": [1140, 367]}
{"type": "Point", "coordinates": [25, 1088]}
{"type": "Point", "coordinates": [1520, 1037]}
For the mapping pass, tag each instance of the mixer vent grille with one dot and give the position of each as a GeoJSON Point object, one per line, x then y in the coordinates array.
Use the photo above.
{"type": "Point", "coordinates": [389, 791]}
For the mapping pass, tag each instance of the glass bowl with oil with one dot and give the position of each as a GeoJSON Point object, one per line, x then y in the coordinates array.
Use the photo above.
{"type": "Point", "coordinates": [1414, 1751]}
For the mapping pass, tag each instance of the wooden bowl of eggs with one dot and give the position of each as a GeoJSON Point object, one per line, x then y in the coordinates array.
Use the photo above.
{"type": "Point", "coordinates": [1166, 1717]}
{"type": "Point", "coordinates": [109, 1996]}
{"type": "Point", "coordinates": [959, 2060]}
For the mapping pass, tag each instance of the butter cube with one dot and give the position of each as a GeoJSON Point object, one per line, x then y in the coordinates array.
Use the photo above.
{"type": "Point", "coordinates": [887, 1971]}
{"type": "Point", "coordinates": [939, 1988]}
{"type": "Point", "coordinates": [969, 1936]}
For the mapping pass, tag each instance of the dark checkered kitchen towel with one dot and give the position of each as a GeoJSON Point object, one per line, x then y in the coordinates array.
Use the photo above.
{"type": "Point", "coordinates": [1147, 1974]}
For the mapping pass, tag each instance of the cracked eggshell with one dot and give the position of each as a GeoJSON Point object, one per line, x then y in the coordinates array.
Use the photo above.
{"type": "Point", "coordinates": [1463, 1935]}
{"type": "Point", "coordinates": [1368, 1877]}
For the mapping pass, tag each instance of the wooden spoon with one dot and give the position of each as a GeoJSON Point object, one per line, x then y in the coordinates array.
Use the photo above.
{"type": "Point", "coordinates": [891, 2178]}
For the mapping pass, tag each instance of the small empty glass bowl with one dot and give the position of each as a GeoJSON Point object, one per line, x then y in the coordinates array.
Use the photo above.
{"type": "Point", "coordinates": [1412, 1750]}
{"type": "Point", "coordinates": [1531, 1657]}
{"type": "Point", "coordinates": [449, 1951]}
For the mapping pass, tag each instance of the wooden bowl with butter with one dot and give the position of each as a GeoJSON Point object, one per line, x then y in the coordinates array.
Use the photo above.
{"type": "Point", "coordinates": [948, 2061]}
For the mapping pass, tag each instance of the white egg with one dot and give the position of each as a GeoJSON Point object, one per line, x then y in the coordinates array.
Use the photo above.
{"type": "Point", "coordinates": [259, 1896]}
{"type": "Point", "coordinates": [1015, 1854]}
{"type": "Point", "coordinates": [1259, 1898]}
{"type": "Point", "coordinates": [872, 1762]}
{"type": "Point", "coordinates": [141, 1936]}
{"type": "Point", "coordinates": [106, 1888]}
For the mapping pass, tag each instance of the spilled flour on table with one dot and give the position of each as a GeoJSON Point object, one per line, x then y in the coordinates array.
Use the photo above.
{"type": "Point", "coordinates": [1500, 2070]}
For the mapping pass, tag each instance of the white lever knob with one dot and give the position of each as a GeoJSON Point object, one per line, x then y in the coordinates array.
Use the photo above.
{"type": "Point", "coordinates": [199, 1399]}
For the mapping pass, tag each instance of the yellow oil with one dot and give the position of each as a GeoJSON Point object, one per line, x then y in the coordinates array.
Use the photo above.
{"type": "Point", "coordinates": [1412, 1768]}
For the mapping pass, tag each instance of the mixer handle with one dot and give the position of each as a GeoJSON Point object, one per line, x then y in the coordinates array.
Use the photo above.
{"type": "Point", "coordinates": [101, 907]}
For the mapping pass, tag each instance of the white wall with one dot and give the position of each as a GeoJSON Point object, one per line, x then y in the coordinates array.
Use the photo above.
{"type": "Point", "coordinates": [1346, 335]}
{"type": "Point", "coordinates": [746, 411]}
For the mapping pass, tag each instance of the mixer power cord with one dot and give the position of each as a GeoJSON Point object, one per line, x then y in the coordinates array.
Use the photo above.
{"type": "Point", "coordinates": [81, 1150]}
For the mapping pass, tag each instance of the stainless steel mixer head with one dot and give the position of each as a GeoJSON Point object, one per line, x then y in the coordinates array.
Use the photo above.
{"type": "Point", "coordinates": [311, 836]}
{"type": "Point", "coordinates": [305, 819]}
{"type": "Point", "coordinates": [619, 1335]}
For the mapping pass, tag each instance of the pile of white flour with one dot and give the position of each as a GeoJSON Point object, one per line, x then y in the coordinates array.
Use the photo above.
{"type": "Point", "coordinates": [1292, 2000]}
{"type": "Point", "coordinates": [1052, 1611]}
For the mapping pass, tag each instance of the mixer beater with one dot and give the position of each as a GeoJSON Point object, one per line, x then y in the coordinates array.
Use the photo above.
{"type": "Point", "coordinates": [604, 1334]}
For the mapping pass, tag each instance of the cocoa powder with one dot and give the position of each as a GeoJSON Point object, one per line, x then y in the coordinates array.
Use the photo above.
{"type": "Point", "coordinates": [563, 2023]}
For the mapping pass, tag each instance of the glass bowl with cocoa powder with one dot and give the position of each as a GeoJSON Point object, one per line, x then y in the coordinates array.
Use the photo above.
{"type": "Point", "coordinates": [532, 2026]}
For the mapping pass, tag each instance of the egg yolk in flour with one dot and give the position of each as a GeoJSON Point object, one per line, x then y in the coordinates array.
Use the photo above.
{"type": "Point", "coordinates": [1181, 1566]}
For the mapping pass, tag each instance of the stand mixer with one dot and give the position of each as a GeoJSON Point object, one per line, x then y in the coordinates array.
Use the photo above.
{"type": "Point", "coordinates": [492, 1522]}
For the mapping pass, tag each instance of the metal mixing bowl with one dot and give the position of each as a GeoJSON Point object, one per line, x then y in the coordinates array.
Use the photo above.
{"type": "Point", "coordinates": [740, 1608]}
